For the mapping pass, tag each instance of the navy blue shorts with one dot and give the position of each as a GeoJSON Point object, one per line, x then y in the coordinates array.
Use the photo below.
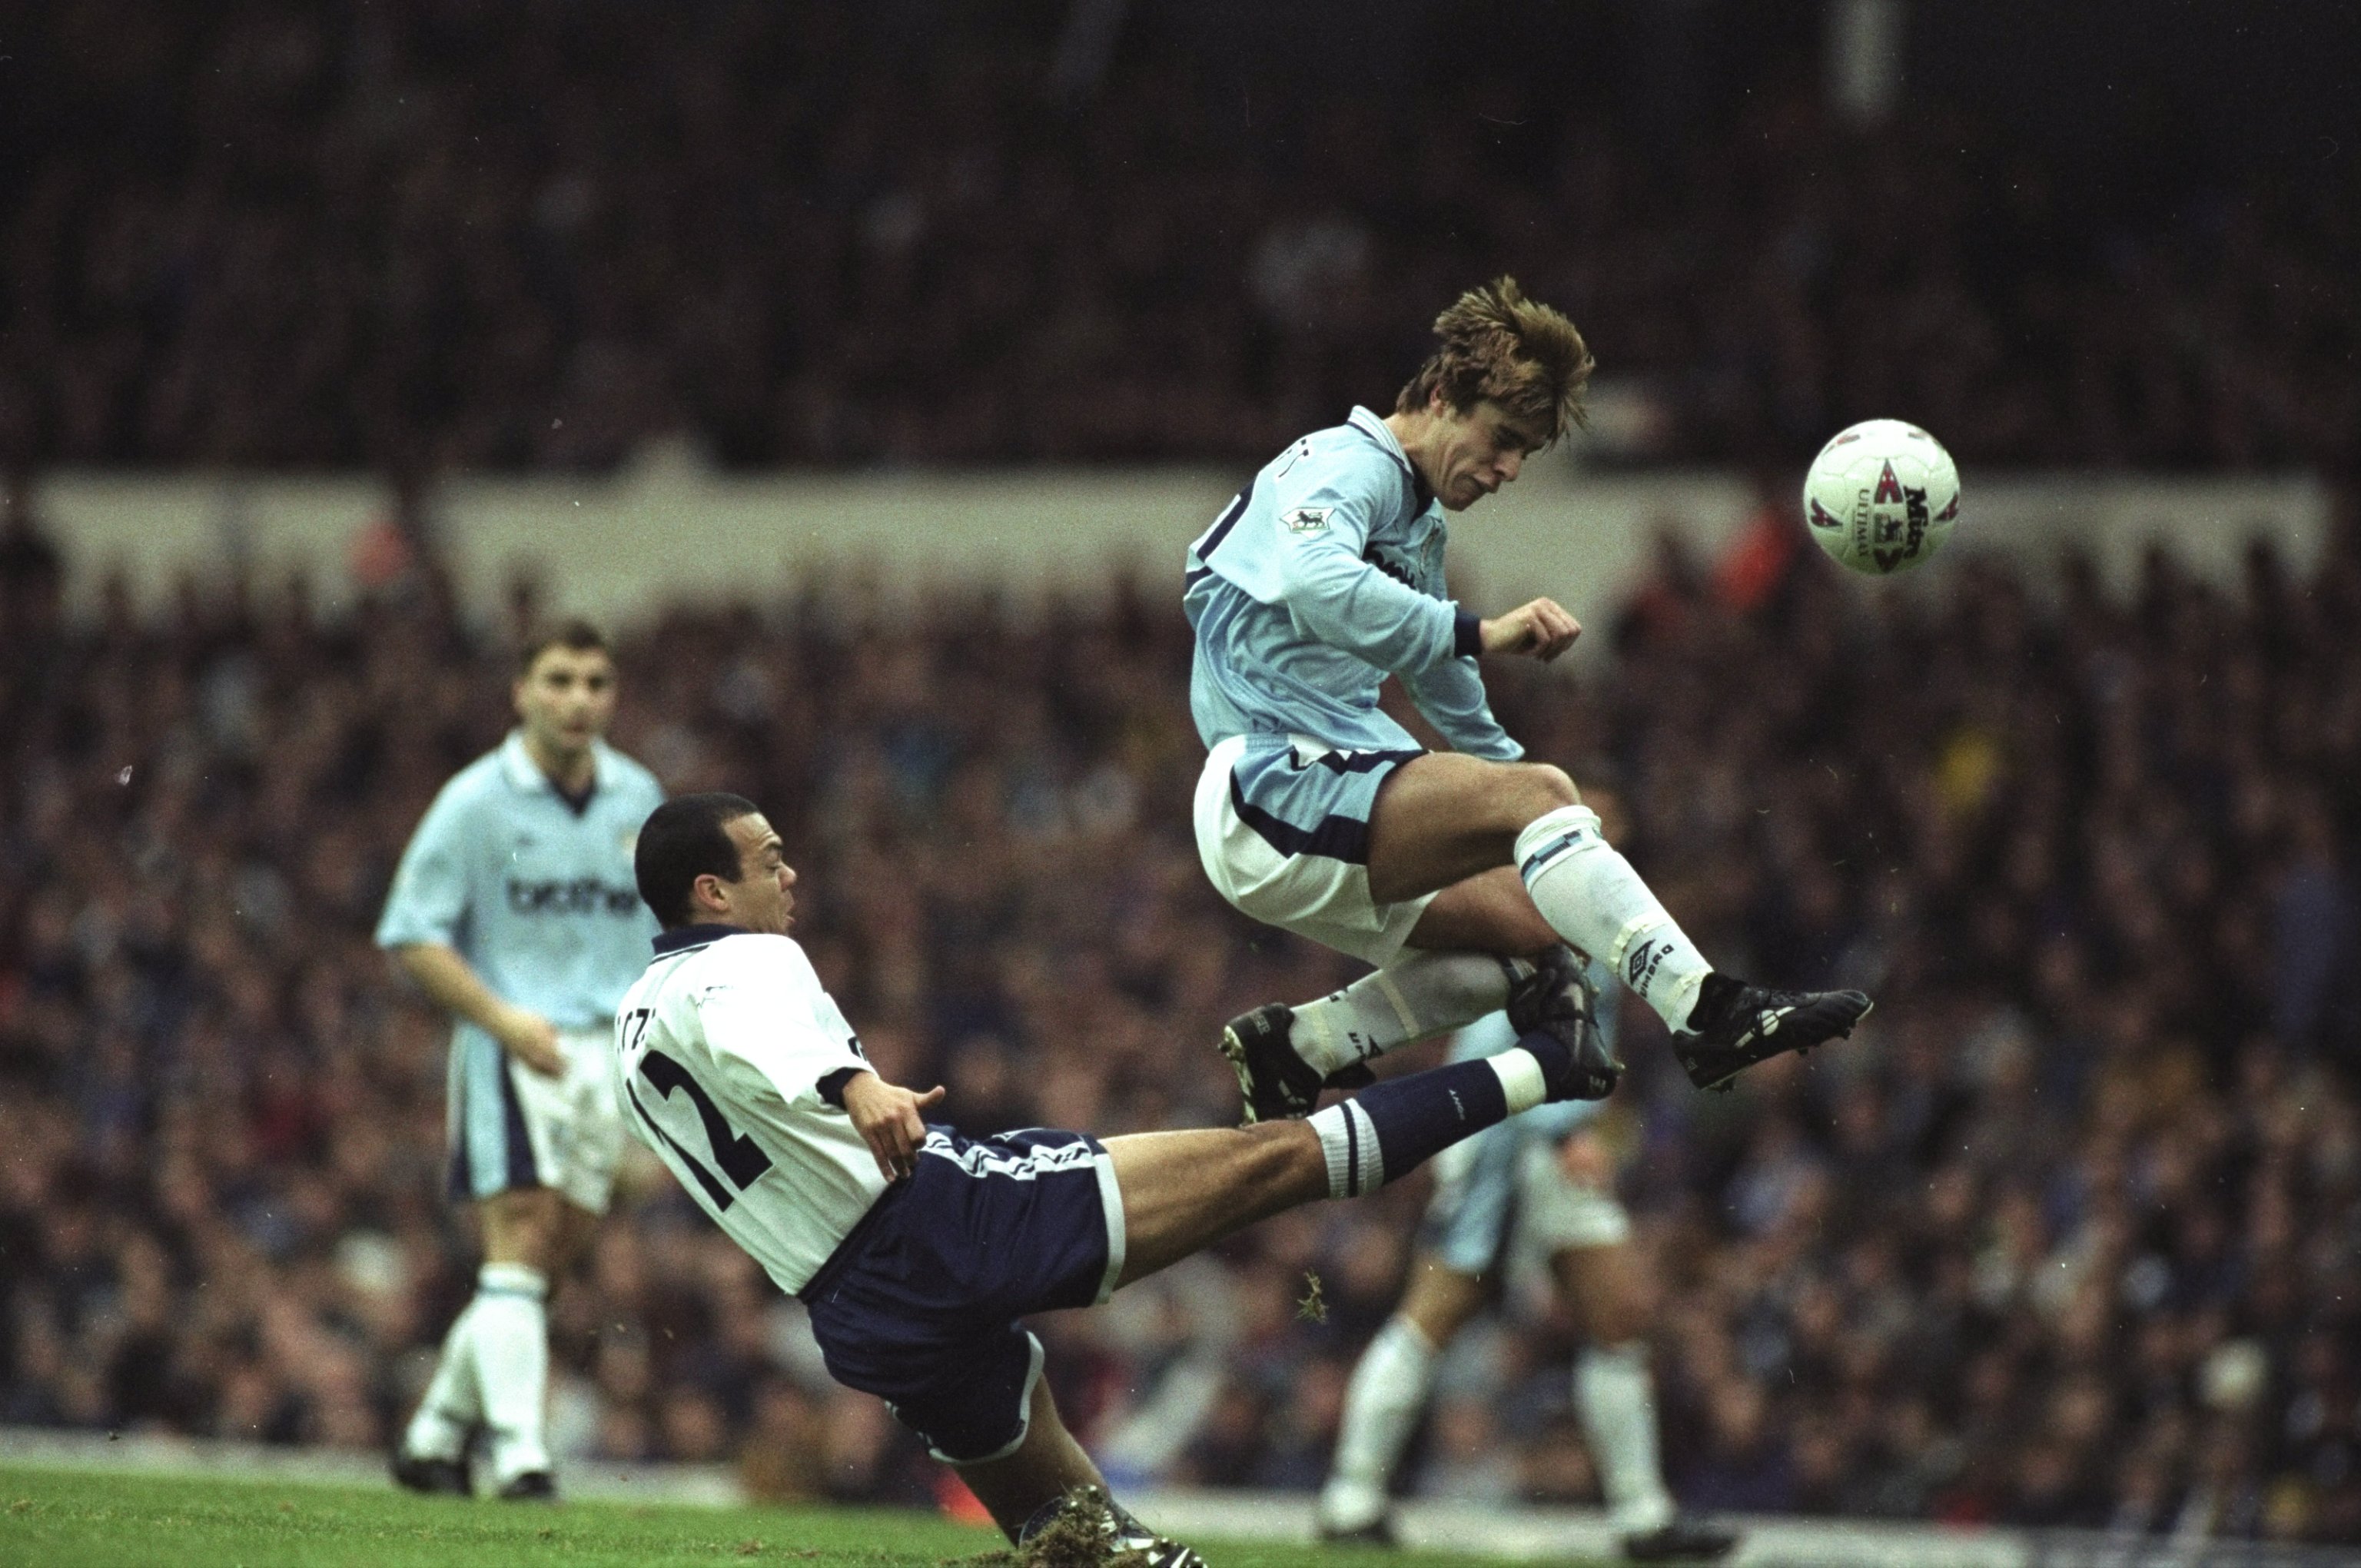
{"type": "Point", "coordinates": [918, 1305]}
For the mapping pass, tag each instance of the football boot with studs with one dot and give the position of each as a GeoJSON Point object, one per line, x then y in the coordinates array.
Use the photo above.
{"type": "Point", "coordinates": [1735, 1024]}
{"type": "Point", "coordinates": [1558, 1000]}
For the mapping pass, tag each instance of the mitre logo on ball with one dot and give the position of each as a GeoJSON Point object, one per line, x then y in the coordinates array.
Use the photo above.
{"type": "Point", "coordinates": [1881, 495]}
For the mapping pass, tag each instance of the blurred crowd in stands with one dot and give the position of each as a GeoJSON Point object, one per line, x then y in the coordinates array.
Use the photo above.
{"type": "Point", "coordinates": [457, 236]}
{"type": "Point", "coordinates": [2070, 1234]}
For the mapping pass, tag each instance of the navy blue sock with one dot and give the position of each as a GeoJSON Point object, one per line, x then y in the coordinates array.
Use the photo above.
{"type": "Point", "coordinates": [1390, 1129]}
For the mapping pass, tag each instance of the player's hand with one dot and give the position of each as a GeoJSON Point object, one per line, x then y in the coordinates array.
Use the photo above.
{"type": "Point", "coordinates": [532, 1040]}
{"type": "Point", "coordinates": [886, 1117]}
{"type": "Point", "coordinates": [1541, 630]}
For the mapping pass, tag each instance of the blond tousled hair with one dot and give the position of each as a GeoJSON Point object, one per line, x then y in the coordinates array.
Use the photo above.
{"type": "Point", "coordinates": [1519, 353]}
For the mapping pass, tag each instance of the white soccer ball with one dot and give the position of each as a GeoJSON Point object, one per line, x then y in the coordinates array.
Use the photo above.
{"type": "Point", "coordinates": [1881, 495]}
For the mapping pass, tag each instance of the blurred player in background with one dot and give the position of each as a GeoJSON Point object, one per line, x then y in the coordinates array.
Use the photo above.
{"type": "Point", "coordinates": [918, 1250]}
{"type": "Point", "coordinates": [1463, 875]}
{"type": "Point", "coordinates": [515, 910]}
{"type": "Point", "coordinates": [1543, 1183]}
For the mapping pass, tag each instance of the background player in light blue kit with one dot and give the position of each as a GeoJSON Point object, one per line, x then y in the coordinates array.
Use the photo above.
{"type": "Point", "coordinates": [515, 910]}
{"type": "Point", "coordinates": [1541, 1185]}
{"type": "Point", "coordinates": [1463, 875]}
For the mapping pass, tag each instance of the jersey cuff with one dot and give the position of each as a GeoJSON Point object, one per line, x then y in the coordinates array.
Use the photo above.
{"type": "Point", "coordinates": [1467, 635]}
{"type": "Point", "coordinates": [831, 1086]}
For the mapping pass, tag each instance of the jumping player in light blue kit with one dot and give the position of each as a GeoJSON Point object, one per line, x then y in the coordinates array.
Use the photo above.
{"type": "Point", "coordinates": [516, 911]}
{"type": "Point", "coordinates": [1463, 875]}
{"type": "Point", "coordinates": [1542, 1186]}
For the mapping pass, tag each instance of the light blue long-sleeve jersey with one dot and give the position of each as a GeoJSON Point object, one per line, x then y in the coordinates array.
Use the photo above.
{"type": "Point", "coordinates": [1323, 576]}
{"type": "Point", "coordinates": [536, 892]}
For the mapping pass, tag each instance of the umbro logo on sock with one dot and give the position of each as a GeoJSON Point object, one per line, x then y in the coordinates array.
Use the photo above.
{"type": "Point", "coordinates": [1640, 969]}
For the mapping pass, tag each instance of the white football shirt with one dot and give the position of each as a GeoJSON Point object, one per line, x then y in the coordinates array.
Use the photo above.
{"type": "Point", "coordinates": [723, 1045]}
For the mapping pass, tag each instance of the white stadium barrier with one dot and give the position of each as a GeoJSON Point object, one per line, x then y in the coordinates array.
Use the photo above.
{"type": "Point", "coordinates": [668, 530]}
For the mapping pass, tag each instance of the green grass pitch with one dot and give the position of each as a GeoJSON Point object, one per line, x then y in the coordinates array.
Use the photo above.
{"type": "Point", "coordinates": [53, 1519]}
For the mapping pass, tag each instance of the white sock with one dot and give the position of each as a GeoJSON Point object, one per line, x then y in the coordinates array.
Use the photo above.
{"type": "Point", "coordinates": [510, 1336]}
{"type": "Point", "coordinates": [1592, 897]}
{"type": "Point", "coordinates": [1381, 1409]}
{"type": "Point", "coordinates": [1617, 1398]}
{"type": "Point", "coordinates": [453, 1403]}
{"type": "Point", "coordinates": [1356, 1160]}
{"type": "Point", "coordinates": [1418, 994]}
{"type": "Point", "coordinates": [1521, 1082]}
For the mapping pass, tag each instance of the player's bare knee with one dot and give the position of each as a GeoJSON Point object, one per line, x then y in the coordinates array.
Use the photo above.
{"type": "Point", "coordinates": [1522, 791]}
{"type": "Point", "coordinates": [1553, 786]}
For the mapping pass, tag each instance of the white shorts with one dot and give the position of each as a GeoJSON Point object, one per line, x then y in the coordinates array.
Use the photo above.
{"type": "Point", "coordinates": [1504, 1194]}
{"type": "Point", "coordinates": [1557, 1213]}
{"type": "Point", "coordinates": [513, 1128]}
{"type": "Point", "coordinates": [1297, 789]}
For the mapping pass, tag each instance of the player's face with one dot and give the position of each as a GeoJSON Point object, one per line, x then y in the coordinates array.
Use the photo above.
{"type": "Point", "coordinates": [1474, 453]}
{"type": "Point", "coordinates": [763, 898]}
{"type": "Point", "coordinates": [566, 699]}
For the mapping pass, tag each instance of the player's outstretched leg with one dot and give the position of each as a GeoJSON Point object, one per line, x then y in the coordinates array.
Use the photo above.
{"type": "Point", "coordinates": [1443, 822]}
{"type": "Point", "coordinates": [1182, 1192]}
{"type": "Point", "coordinates": [1284, 1056]}
{"type": "Point", "coordinates": [1588, 893]}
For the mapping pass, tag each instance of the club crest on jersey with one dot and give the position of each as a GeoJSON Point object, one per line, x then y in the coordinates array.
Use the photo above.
{"type": "Point", "coordinates": [1889, 488]}
{"type": "Point", "coordinates": [1306, 520]}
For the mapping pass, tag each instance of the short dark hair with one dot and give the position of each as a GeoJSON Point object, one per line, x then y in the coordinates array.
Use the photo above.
{"type": "Point", "coordinates": [573, 633]}
{"type": "Point", "coordinates": [684, 839]}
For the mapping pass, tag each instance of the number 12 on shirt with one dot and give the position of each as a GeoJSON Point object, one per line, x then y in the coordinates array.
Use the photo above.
{"type": "Point", "coordinates": [739, 1157]}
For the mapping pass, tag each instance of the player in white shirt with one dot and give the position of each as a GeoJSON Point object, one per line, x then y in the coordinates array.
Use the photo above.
{"type": "Point", "coordinates": [514, 909]}
{"type": "Point", "coordinates": [916, 1250]}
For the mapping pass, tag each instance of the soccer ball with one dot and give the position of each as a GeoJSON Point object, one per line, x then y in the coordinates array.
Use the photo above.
{"type": "Point", "coordinates": [1881, 495]}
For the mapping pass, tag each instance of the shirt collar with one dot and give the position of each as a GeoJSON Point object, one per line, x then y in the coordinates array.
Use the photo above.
{"type": "Point", "coordinates": [1371, 424]}
{"type": "Point", "coordinates": [525, 774]}
{"type": "Point", "coordinates": [680, 939]}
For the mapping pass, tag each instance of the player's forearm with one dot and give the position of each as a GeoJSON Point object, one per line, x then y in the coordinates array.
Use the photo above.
{"type": "Point", "coordinates": [451, 984]}
{"type": "Point", "coordinates": [1355, 607]}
